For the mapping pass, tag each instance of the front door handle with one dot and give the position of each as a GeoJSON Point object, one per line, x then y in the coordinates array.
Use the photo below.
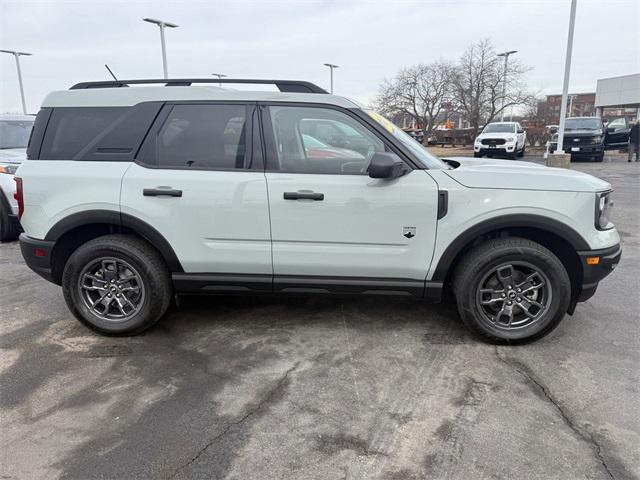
{"type": "Point", "coordinates": [158, 192]}
{"type": "Point", "coordinates": [303, 196]}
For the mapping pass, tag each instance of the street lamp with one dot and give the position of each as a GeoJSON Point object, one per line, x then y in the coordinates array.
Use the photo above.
{"type": "Point", "coordinates": [162, 24]}
{"type": "Point", "coordinates": [331, 67]}
{"type": "Point", "coordinates": [219, 75]}
{"type": "Point", "coordinates": [504, 79]}
{"type": "Point", "coordinates": [17, 55]}
{"type": "Point", "coordinates": [565, 85]}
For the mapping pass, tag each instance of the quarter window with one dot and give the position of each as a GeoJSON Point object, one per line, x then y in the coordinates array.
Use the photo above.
{"type": "Point", "coordinates": [203, 137]}
{"type": "Point", "coordinates": [321, 140]}
{"type": "Point", "coordinates": [71, 129]}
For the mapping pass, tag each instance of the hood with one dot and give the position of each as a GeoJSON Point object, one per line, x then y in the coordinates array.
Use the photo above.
{"type": "Point", "coordinates": [581, 132]}
{"type": "Point", "coordinates": [12, 155]}
{"type": "Point", "coordinates": [496, 135]}
{"type": "Point", "coordinates": [507, 174]}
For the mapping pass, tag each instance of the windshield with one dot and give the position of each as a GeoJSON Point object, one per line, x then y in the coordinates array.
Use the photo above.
{"type": "Point", "coordinates": [587, 123]}
{"type": "Point", "coordinates": [500, 128]}
{"type": "Point", "coordinates": [15, 133]}
{"type": "Point", "coordinates": [427, 159]}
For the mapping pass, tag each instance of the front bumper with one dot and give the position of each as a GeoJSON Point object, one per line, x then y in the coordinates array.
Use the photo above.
{"type": "Point", "coordinates": [37, 256]}
{"type": "Point", "coordinates": [597, 264]}
{"type": "Point", "coordinates": [591, 149]}
{"type": "Point", "coordinates": [499, 149]}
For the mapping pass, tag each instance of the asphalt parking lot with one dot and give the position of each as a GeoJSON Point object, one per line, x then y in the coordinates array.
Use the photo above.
{"type": "Point", "coordinates": [323, 388]}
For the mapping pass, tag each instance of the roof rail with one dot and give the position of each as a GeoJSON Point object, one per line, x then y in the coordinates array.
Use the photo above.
{"type": "Point", "coordinates": [290, 86]}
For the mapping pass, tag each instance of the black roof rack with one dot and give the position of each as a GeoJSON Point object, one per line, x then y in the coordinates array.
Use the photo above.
{"type": "Point", "coordinates": [290, 86]}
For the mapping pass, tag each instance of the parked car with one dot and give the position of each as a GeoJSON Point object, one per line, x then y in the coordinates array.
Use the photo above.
{"type": "Point", "coordinates": [416, 133]}
{"type": "Point", "coordinates": [14, 136]}
{"type": "Point", "coordinates": [130, 196]}
{"type": "Point", "coordinates": [616, 135]}
{"type": "Point", "coordinates": [583, 137]}
{"type": "Point", "coordinates": [501, 138]}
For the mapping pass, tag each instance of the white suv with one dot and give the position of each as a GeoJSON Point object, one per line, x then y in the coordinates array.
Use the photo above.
{"type": "Point", "coordinates": [501, 138]}
{"type": "Point", "coordinates": [133, 195]}
{"type": "Point", "coordinates": [14, 135]}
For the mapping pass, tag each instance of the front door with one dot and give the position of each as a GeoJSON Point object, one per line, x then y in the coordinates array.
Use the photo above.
{"type": "Point", "coordinates": [198, 184]}
{"type": "Point", "coordinates": [617, 134]}
{"type": "Point", "coordinates": [333, 227]}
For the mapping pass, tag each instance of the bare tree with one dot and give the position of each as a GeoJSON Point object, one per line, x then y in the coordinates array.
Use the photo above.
{"type": "Point", "coordinates": [417, 91]}
{"type": "Point", "coordinates": [477, 85]}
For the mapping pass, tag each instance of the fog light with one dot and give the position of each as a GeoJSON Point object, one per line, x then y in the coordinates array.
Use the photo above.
{"type": "Point", "coordinates": [593, 260]}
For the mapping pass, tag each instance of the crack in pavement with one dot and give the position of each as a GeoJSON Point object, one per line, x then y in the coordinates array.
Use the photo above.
{"type": "Point", "coordinates": [266, 399]}
{"type": "Point", "coordinates": [536, 383]}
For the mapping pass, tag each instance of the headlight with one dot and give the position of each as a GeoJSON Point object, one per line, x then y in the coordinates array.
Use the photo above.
{"type": "Point", "coordinates": [597, 139]}
{"type": "Point", "coordinates": [9, 169]}
{"type": "Point", "coordinates": [604, 207]}
{"type": "Point", "coordinates": [511, 139]}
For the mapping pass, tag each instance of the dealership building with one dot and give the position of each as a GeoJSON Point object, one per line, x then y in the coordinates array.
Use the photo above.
{"type": "Point", "coordinates": [618, 93]}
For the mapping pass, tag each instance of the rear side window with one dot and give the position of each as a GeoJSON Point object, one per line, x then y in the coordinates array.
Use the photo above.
{"type": "Point", "coordinates": [203, 137]}
{"type": "Point", "coordinates": [71, 129]}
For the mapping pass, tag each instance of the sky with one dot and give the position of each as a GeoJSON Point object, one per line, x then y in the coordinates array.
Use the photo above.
{"type": "Point", "coordinates": [370, 40]}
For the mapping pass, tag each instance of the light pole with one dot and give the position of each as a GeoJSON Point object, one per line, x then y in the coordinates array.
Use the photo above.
{"type": "Point", "coordinates": [331, 67]}
{"type": "Point", "coordinates": [565, 85]}
{"type": "Point", "coordinates": [219, 75]}
{"type": "Point", "coordinates": [17, 55]}
{"type": "Point", "coordinates": [162, 24]}
{"type": "Point", "coordinates": [504, 79]}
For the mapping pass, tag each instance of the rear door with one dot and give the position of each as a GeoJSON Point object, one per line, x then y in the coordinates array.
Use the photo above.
{"type": "Point", "coordinates": [199, 183]}
{"type": "Point", "coordinates": [333, 227]}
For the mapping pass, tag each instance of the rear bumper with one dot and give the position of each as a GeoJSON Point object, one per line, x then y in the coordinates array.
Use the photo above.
{"type": "Point", "coordinates": [593, 273]}
{"type": "Point", "coordinates": [37, 255]}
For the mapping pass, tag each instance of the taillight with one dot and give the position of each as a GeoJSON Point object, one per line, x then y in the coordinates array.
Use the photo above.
{"type": "Point", "coordinates": [19, 196]}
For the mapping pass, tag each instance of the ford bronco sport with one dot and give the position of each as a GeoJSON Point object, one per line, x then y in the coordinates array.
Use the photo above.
{"type": "Point", "coordinates": [130, 196]}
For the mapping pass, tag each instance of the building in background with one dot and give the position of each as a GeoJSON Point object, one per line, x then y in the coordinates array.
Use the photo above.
{"type": "Point", "coordinates": [578, 105]}
{"type": "Point", "coordinates": [618, 97]}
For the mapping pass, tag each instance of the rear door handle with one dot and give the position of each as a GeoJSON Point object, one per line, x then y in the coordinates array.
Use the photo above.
{"type": "Point", "coordinates": [303, 196]}
{"type": "Point", "coordinates": [157, 192]}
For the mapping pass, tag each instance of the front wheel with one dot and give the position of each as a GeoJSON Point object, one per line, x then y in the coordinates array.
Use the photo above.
{"type": "Point", "coordinates": [511, 290]}
{"type": "Point", "coordinates": [521, 154]}
{"type": "Point", "coordinates": [117, 285]}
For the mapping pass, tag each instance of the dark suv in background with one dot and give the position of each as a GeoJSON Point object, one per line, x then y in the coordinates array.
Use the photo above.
{"type": "Point", "coordinates": [587, 137]}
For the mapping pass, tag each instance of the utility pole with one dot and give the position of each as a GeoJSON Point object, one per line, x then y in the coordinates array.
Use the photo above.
{"type": "Point", "coordinates": [504, 79]}
{"type": "Point", "coordinates": [16, 54]}
{"type": "Point", "coordinates": [567, 72]}
{"type": "Point", "coordinates": [162, 25]}
{"type": "Point", "coordinates": [331, 67]}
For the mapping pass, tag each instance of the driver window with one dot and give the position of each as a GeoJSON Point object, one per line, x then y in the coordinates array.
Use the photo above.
{"type": "Point", "coordinates": [321, 141]}
{"type": "Point", "coordinates": [617, 124]}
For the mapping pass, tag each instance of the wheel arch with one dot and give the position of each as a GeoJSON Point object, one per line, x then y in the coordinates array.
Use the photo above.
{"type": "Point", "coordinates": [76, 229]}
{"type": "Point", "coordinates": [558, 237]}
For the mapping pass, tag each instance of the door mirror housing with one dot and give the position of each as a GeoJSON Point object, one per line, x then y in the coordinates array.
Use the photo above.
{"type": "Point", "coordinates": [386, 165]}
{"type": "Point", "coordinates": [521, 130]}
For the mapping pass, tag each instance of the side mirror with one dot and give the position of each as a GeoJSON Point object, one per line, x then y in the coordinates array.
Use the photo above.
{"type": "Point", "coordinates": [521, 131]}
{"type": "Point", "coordinates": [385, 165]}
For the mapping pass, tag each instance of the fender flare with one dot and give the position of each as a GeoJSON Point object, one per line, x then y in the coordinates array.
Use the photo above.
{"type": "Point", "coordinates": [142, 228]}
{"type": "Point", "coordinates": [502, 222]}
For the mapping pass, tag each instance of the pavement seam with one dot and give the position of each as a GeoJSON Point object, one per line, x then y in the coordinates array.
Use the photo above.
{"type": "Point", "coordinates": [270, 394]}
{"type": "Point", "coordinates": [534, 382]}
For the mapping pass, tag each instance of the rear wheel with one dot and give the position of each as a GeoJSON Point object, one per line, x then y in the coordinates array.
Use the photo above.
{"type": "Point", "coordinates": [511, 290]}
{"type": "Point", "coordinates": [117, 285]}
{"type": "Point", "coordinates": [8, 229]}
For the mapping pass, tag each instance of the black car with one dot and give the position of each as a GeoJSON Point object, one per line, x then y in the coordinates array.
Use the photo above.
{"type": "Point", "coordinates": [583, 137]}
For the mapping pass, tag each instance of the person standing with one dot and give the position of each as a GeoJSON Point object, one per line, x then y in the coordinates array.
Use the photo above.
{"type": "Point", "coordinates": [634, 140]}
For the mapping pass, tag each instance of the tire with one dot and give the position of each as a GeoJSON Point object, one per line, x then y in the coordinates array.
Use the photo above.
{"type": "Point", "coordinates": [521, 154]}
{"type": "Point", "coordinates": [477, 155]}
{"type": "Point", "coordinates": [148, 292]}
{"type": "Point", "coordinates": [476, 280]}
{"type": "Point", "coordinates": [513, 155]}
{"type": "Point", "coordinates": [8, 230]}
{"type": "Point", "coordinates": [600, 157]}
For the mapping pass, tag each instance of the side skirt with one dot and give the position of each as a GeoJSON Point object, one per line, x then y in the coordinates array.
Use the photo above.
{"type": "Point", "coordinates": [250, 284]}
